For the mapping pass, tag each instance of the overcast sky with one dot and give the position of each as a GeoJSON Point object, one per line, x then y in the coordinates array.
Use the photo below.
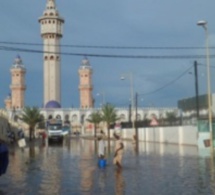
{"type": "Point", "coordinates": [161, 27]}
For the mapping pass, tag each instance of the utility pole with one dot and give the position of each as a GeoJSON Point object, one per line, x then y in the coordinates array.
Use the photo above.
{"type": "Point", "coordinates": [136, 128]}
{"type": "Point", "coordinates": [129, 115]}
{"type": "Point", "coordinates": [197, 89]}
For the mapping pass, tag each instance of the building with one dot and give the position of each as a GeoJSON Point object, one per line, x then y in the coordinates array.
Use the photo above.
{"type": "Point", "coordinates": [16, 99]}
{"type": "Point", "coordinates": [85, 87]}
{"type": "Point", "coordinates": [51, 32]}
{"type": "Point", "coordinates": [194, 107]}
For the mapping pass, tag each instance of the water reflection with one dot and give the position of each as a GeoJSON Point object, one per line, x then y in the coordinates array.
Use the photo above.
{"type": "Point", "coordinates": [102, 176]}
{"type": "Point", "coordinates": [119, 182]}
{"type": "Point", "coordinates": [71, 168]}
{"type": "Point", "coordinates": [87, 167]}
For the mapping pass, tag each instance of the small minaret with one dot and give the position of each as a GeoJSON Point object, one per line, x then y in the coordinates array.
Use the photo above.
{"type": "Point", "coordinates": [8, 102]}
{"type": "Point", "coordinates": [85, 86]}
{"type": "Point", "coordinates": [51, 32]}
{"type": "Point", "coordinates": [18, 86]}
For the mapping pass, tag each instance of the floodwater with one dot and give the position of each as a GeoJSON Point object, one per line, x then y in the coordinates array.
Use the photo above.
{"type": "Point", "coordinates": [71, 168]}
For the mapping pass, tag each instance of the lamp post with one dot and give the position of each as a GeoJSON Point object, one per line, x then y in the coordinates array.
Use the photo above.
{"type": "Point", "coordinates": [130, 77]}
{"type": "Point", "coordinates": [203, 23]}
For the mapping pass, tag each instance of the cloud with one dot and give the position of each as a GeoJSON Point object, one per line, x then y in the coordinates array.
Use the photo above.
{"type": "Point", "coordinates": [149, 23]}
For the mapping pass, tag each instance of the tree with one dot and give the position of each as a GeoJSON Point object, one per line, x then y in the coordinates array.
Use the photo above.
{"type": "Point", "coordinates": [146, 121]}
{"type": "Point", "coordinates": [171, 117]}
{"type": "Point", "coordinates": [31, 116]}
{"type": "Point", "coordinates": [95, 118]}
{"type": "Point", "coordinates": [109, 116]}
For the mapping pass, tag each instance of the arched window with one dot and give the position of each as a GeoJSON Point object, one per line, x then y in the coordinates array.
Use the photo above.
{"type": "Point", "coordinates": [66, 117]}
{"type": "Point", "coordinates": [42, 117]}
{"type": "Point", "coordinates": [51, 57]}
{"type": "Point", "coordinates": [50, 117]}
{"type": "Point", "coordinates": [51, 14]}
{"type": "Point", "coordinates": [58, 117]}
{"type": "Point", "coordinates": [74, 118]}
{"type": "Point", "coordinates": [82, 118]}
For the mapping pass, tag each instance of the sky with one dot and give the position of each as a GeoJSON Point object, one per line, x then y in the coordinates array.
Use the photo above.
{"type": "Point", "coordinates": [155, 29]}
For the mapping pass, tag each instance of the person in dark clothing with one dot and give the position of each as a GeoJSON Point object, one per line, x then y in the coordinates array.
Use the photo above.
{"type": "Point", "coordinates": [4, 157]}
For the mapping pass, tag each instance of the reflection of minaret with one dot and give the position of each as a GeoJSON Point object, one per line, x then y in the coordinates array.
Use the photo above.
{"type": "Point", "coordinates": [51, 32]}
{"type": "Point", "coordinates": [87, 166]}
{"type": "Point", "coordinates": [85, 86]}
{"type": "Point", "coordinates": [17, 86]}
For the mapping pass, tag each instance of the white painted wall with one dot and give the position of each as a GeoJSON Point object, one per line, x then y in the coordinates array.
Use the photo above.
{"type": "Point", "coordinates": [186, 135]}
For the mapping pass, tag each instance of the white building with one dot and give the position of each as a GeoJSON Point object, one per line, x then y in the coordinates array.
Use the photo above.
{"type": "Point", "coordinates": [51, 32]}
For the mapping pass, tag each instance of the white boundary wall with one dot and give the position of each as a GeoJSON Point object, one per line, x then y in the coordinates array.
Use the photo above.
{"type": "Point", "coordinates": [175, 135]}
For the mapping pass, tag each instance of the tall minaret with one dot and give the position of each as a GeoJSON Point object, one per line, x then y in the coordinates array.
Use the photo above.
{"type": "Point", "coordinates": [51, 32]}
{"type": "Point", "coordinates": [85, 86]}
{"type": "Point", "coordinates": [18, 86]}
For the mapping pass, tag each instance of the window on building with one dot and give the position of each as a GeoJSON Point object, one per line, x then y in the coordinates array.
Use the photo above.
{"type": "Point", "coordinates": [58, 117]}
{"type": "Point", "coordinates": [74, 118]}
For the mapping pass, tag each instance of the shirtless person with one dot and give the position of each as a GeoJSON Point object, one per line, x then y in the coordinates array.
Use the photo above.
{"type": "Point", "coordinates": [118, 151]}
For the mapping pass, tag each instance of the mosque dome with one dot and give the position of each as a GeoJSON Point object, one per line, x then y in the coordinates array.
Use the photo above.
{"type": "Point", "coordinates": [52, 104]}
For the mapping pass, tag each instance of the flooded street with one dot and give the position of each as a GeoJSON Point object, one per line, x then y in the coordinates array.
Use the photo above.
{"type": "Point", "coordinates": [71, 168]}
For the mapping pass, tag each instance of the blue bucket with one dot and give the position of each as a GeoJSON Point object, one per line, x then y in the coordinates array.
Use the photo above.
{"type": "Point", "coordinates": [102, 163]}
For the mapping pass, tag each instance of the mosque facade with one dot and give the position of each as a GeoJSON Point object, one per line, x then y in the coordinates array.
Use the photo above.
{"type": "Point", "coordinates": [51, 24]}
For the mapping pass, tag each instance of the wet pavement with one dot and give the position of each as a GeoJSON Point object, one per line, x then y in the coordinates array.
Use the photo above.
{"type": "Point", "coordinates": [71, 168]}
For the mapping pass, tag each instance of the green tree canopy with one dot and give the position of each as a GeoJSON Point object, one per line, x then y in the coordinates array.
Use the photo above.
{"type": "Point", "coordinates": [95, 118]}
{"type": "Point", "coordinates": [109, 116]}
{"type": "Point", "coordinates": [31, 116]}
{"type": "Point", "coordinates": [171, 117]}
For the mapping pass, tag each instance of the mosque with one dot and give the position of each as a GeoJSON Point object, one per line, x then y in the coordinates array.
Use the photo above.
{"type": "Point", "coordinates": [51, 32]}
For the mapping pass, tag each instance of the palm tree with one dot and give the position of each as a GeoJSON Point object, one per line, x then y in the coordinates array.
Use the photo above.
{"type": "Point", "coordinates": [31, 116]}
{"type": "Point", "coordinates": [95, 118]}
{"type": "Point", "coordinates": [109, 116]}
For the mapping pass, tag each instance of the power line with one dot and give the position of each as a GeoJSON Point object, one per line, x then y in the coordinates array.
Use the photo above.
{"type": "Point", "coordinates": [105, 47]}
{"type": "Point", "coordinates": [167, 84]}
{"type": "Point", "coordinates": [107, 55]}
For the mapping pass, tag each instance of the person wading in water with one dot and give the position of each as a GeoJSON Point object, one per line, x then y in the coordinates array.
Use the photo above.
{"type": "Point", "coordinates": [118, 151]}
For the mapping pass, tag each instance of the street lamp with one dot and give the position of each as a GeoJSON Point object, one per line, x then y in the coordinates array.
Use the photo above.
{"type": "Point", "coordinates": [130, 77]}
{"type": "Point", "coordinates": [203, 23]}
